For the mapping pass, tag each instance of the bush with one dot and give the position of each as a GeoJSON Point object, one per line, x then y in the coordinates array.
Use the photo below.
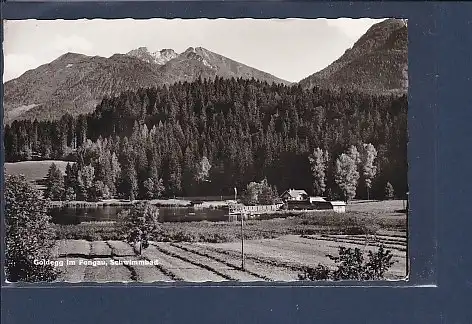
{"type": "Point", "coordinates": [70, 194]}
{"type": "Point", "coordinates": [259, 193]}
{"type": "Point", "coordinates": [321, 272]}
{"type": "Point", "coordinates": [29, 235]}
{"type": "Point", "coordinates": [352, 266]}
{"type": "Point", "coordinates": [99, 191]}
{"type": "Point", "coordinates": [140, 223]}
{"type": "Point", "coordinates": [182, 236]}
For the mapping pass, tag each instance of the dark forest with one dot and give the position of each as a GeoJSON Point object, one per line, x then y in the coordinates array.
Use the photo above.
{"type": "Point", "coordinates": [207, 137]}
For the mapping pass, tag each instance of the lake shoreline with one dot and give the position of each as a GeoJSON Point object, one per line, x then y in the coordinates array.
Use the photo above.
{"type": "Point", "coordinates": [120, 203]}
{"type": "Point", "coordinates": [226, 231]}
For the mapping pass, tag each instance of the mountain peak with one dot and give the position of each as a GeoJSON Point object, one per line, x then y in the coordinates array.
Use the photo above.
{"type": "Point", "coordinates": [394, 22]}
{"type": "Point", "coordinates": [167, 51]}
{"type": "Point", "coordinates": [198, 50]}
{"type": "Point", "coordinates": [164, 56]}
{"type": "Point", "coordinates": [141, 49]}
{"type": "Point", "coordinates": [159, 57]}
{"type": "Point", "coordinates": [70, 56]}
{"type": "Point", "coordinates": [199, 54]}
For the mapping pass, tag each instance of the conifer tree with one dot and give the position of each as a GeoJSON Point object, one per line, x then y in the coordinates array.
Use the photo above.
{"type": "Point", "coordinates": [129, 180]}
{"type": "Point", "coordinates": [54, 183]}
{"type": "Point", "coordinates": [85, 179]}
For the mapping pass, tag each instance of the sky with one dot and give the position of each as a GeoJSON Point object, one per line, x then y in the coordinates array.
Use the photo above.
{"type": "Point", "coordinates": [290, 49]}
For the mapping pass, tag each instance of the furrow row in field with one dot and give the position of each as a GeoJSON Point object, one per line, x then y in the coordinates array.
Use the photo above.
{"type": "Point", "coordinates": [287, 250]}
{"type": "Point", "coordinates": [270, 261]}
{"type": "Point", "coordinates": [120, 248]}
{"type": "Point", "coordinates": [395, 234]}
{"type": "Point", "coordinates": [181, 269]}
{"type": "Point", "coordinates": [369, 239]}
{"type": "Point", "coordinates": [164, 274]}
{"type": "Point", "coordinates": [144, 273]}
{"type": "Point", "coordinates": [231, 271]}
{"type": "Point", "coordinates": [108, 273]}
{"type": "Point", "coordinates": [215, 255]}
{"type": "Point", "coordinates": [172, 251]}
{"type": "Point", "coordinates": [363, 241]}
{"type": "Point", "coordinates": [100, 249]}
{"type": "Point", "coordinates": [77, 248]}
{"type": "Point", "coordinates": [400, 238]}
{"type": "Point", "coordinates": [397, 247]}
{"type": "Point", "coordinates": [154, 273]}
{"type": "Point", "coordinates": [254, 266]}
{"type": "Point", "coordinates": [397, 238]}
{"type": "Point", "coordinates": [71, 273]}
{"type": "Point", "coordinates": [131, 269]}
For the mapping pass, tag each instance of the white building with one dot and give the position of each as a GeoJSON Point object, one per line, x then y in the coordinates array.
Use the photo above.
{"type": "Point", "coordinates": [294, 195]}
{"type": "Point", "coordinates": [317, 199]}
{"type": "Point", "coordinates": [338, 206]}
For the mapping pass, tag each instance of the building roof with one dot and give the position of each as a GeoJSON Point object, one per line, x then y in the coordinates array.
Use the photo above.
{"type": "Point", "coordinates": [338, 203]}
{"type": "Point", "coordinates": [320, 199]}
{"type": "Point", "coordinates": [295, 192]}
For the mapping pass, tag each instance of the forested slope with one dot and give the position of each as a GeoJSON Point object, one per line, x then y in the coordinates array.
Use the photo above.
{"type": "Point", "coordinates": [247, 130]}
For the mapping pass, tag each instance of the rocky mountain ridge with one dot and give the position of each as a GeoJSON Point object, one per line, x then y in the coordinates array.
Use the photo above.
{"type": "Point", "coordinates": [75, 83]}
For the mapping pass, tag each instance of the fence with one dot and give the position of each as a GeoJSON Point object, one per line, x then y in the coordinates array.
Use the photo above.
{"type": "Point", "coordinates": [243, 210]}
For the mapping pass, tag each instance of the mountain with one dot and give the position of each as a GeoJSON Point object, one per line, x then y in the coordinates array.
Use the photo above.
{"type": "Point", "coordinates": [76, 83]}
{"type": "Point", "coordinates": [160, 57]}
{"type": "Point", "coordinates": [207, 65]}
{"type": "Point", "coordinates": [377, 62]}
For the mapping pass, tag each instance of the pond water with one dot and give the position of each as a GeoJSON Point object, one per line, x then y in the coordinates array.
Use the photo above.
{"type": "Point", "coordinates": [76, 215]}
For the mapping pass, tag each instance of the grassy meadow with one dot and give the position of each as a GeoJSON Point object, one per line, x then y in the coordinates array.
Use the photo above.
{"type": "Point", "coordinates": [34, 171]}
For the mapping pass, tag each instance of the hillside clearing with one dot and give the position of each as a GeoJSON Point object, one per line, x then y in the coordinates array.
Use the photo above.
{"type": "Point", "coordinates": [34, 171]}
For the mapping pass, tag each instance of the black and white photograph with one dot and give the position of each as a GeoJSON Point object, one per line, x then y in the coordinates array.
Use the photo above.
{"type": "Point", "coordinates": [205, 150]}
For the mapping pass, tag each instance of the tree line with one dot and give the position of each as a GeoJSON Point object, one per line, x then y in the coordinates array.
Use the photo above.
{"type": "Point", "coordinates": [353, 169]}
{"type": "Point", "coordinates": [208, 137]}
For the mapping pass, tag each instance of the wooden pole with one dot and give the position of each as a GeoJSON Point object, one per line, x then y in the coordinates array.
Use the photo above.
{"type": "Point", "coordinates": [242, 240]}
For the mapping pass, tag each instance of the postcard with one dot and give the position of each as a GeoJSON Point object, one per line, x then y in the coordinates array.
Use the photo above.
{"type": "Point", "coordinates": [205, 150]}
